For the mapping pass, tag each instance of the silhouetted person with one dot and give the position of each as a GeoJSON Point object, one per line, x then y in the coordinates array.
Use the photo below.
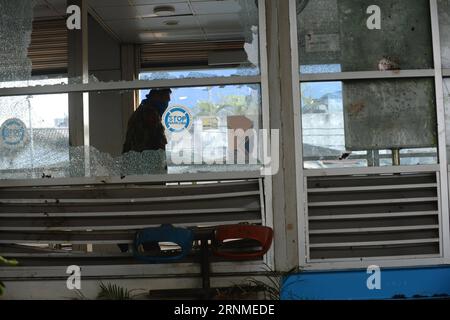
{"type": "Point", "coordinates": [145, 130]}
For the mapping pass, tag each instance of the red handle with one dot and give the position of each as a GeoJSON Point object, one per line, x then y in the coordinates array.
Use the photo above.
{"type": "Point", "coordinates": [261, 234]}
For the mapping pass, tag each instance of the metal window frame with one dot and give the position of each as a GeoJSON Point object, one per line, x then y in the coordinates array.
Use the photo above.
{"type": "Point", "coordinates": [269, 258]}
{"type": "Point", "coordinates": [382, 262]}
{"type": "Point", "coordinates": [363, 75]}
{"type": "Point", "coordinates": [169, 178]}
{"type": "Point", "coordinates": [442, 168]}
{"type": "Point", "coordinates": [86, 87]}
{"type": "Point", "coordinates": [442, 138]}
{"type": "Point", "coordinates": [302, 217]}
{"type": "Point", "coordinates": [128, 85]}
{"type": "Point", "coordinates": [371, 170]}
{"type": "Point", "coordinates": [388, 261]}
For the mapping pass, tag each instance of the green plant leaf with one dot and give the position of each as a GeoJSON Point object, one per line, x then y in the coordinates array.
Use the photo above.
{"type": "Point", "coordinates": [113, 292]}
{"type": "Point", "coordinates": [7, 262]}
{"type": "Point", "coordinates": [4, 261]}
{"type": "Point", "coordinates": [274, 281]}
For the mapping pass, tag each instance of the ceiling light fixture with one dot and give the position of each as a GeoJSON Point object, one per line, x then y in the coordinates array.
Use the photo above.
{"type": "Point", "coordinates": [164, 10]}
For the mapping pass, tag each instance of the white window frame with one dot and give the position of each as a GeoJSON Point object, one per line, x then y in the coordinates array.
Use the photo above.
{"type": "Point", "coordinates": [441, 169]}
{"type": "Point", "coordinates": [85, 88]}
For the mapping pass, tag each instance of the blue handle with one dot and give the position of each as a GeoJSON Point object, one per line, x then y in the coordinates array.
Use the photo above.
{"type": "Point", "coordinates": [164, 233]}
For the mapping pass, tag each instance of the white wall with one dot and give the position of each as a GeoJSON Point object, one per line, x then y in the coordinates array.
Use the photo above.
{"type": "Point", "coordinates": [105, 108]}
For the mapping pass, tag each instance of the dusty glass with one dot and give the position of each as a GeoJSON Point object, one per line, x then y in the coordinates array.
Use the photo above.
{"type": "Point", "coordinates": [344, 35]}
{"type": "Point", "coordinates": [444, 23]}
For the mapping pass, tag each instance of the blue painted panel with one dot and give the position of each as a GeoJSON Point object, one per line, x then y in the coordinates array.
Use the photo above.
{"type": "Point", "coordinates": [424, 282]}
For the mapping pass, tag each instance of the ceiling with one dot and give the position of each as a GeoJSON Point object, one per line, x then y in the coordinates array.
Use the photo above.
{"type": "Point", "coordinates": [134, 21]}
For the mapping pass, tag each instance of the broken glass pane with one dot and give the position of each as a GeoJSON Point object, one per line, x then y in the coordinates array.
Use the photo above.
{"type": "Point", "coordinates": [101, 164]}
{"type": "Point", "coordinates": [46, 162]}
{"type": "Point", "coordinates": [43, 151]}
{"type": "Point", "coordinates": [334, 36]}
{"type": "Point", "coordinates": [200, 73]}
{"type": "Point", "coordinates": [221, 40]}
{"type": "Point", "coordinates": [34, 132]}
{"type": "Point", "coordinates": [211, 39]}
{"type": "Point", "coordinates": [15, 36]}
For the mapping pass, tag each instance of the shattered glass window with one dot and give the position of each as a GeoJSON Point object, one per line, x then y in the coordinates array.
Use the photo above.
{"type": "Point", "coordinates": [358, 122]}
{"type": "Point", "coordinates": [34, 133]}
{"type": "Point", "coordinates": [15, 37]}
{"type": "Point", "coordinates": [200, 37]}
{"type": "Point", "coordinates": [444, 21]}
{"type": "Point", "coordinates": [334, 35]}
{"type": "Point", "coordinates": [40, 138]}
{"type": "Point", "coordinates": [212, 39]}
{"type": "Point", "coordinates": [198, 73]}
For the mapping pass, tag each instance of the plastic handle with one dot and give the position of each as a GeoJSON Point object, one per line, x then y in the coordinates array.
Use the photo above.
{"type": "Point", "coordinates": [165, 233]}
{"type": "Point", "coordinates": [261, 234]}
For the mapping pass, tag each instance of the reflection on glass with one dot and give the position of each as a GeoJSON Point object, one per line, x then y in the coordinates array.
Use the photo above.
{"type": "Point", "coordinates": [357, 123]}
{"type": "Point", "coordinates": [444, 21]}
{"type": "Point", "coordinates": [333, 36]}
{"type": "Point", "coordinates": [215, 110]}
{"type": "Point", "coordinates": [419, 156]}
{"type": "Point", "coordinates": [35, 39]}
{"type": "Point", "coordinates": [35, 135]}
{"type": "Point", "coordinates": [323, 127]}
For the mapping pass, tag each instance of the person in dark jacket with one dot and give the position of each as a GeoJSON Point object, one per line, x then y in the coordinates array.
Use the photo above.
{"type": "Point", "coordinates": [145, 130]}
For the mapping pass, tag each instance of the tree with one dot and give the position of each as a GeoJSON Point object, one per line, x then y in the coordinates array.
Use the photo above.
{"type": "Point", "coordinates": [228, 105]}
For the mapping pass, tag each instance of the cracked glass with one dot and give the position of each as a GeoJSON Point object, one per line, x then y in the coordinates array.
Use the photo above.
{"type": "Point", "coordinates": [337, 35]}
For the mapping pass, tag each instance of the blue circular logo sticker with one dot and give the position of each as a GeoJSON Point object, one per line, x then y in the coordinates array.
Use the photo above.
{"type": "Point", "coordinates": [177, 119]}
{"type": "Point", "coordinates": [13, 133]}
